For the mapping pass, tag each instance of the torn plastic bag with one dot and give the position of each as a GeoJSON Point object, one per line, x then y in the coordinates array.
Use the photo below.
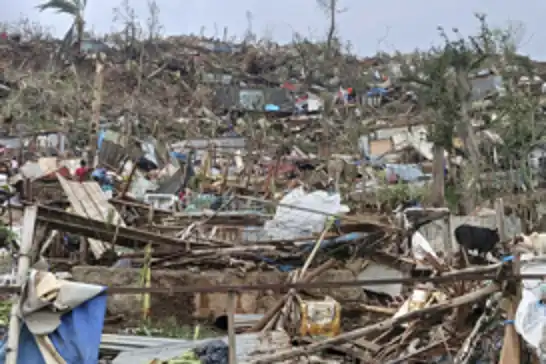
{"type": "Point", "coordinates": [213, 352]}
{"type": "Point", "coordinates": [294, 217]}
{"type": "Point", "coordinates": [530, 317]}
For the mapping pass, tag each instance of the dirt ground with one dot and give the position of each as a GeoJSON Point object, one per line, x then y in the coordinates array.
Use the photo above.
{"type": "Point", "coordinates": [187, 308]}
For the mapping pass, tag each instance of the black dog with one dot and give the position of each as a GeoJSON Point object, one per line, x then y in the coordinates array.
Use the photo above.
{"type": "Point", "coordinates": [477, 238]}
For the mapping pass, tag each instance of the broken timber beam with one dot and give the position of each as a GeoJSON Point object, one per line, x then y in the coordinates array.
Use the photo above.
{"type": "Point", "coordinates": [71, 223]}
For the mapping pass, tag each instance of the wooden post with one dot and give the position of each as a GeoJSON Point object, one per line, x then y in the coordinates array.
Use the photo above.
{"type": "Point", "coordinates": [510, 352]}
{"type": "Point", "coordinates": [231, 327]}
{"type": "Point", "coordinates": [129, 180]}
{"type": "Point", "coordinates": [29, 223]}
{"type": "Point", "coordinates": [147, 271]}
{"type": "Point", "coordinates": [84, 250]}
{"type": "Point", "coordinates": [95, 117]}
{"type": "Point", "coordinates": [499, 209]}
{"type": "Point", "coordinates": [449, 249]}
{"type": "Point", "coordinates": [28, 191]}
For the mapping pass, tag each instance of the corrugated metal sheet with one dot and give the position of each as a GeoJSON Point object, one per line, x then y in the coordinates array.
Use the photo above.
{"type": "Point", "coordinates": [111, 154]}
{"type": "Point", "coordinates": [390, 132]}
{"type": "Point", "coordinates": [172, 184]}
{"type": "Point", "coordinates": [155, 151]}
{"type": "Point", "coordinates": [226, 145]}
{"type": "Point", "coordinates": [11, 142]}
{"type": "Point", "coordinates": [121, 343]}
{"type": "Point", "coordinates": [374, 270]}
{"type": "Point", "coordinates": [221, 78]}
{"type": "Point", "coordinates": [113, 149]}
{"type": "Point", "coordinates": [247, 345]}
{"type": "Point", "coordinates": [88, 200]}
{"type": "Point", "coordinates": [251, 98]}
{"type": "Point", "coordinates": [484, 86]}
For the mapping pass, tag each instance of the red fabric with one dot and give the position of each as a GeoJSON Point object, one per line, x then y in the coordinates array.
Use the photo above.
{"type": "Point", "coordinates": [63, 171]}
{"type": "Point", "coordinates": [80, 173]}
{"type": "Point", "coordinates": [288, 86]}
{"type": "Point", "coordinates": [393, 178]}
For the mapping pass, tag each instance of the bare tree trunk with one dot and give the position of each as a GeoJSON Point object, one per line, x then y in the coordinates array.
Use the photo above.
{"type": "Point", "coordinates": [95, 117]}
{"type": "Point", "coordinates": [330, 9]}
{"type": "Point", "coordinates": [79, 33]}
{"type": "Point", "coordinates": [471, 172]}
{"type": "Point", "coordinates": [332, 30]}
{"type": "Point", "coordinates": [438, 174]}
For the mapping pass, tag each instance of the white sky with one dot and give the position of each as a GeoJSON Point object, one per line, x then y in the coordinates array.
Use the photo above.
{"type": "Point", "coordinates": [403, 24]}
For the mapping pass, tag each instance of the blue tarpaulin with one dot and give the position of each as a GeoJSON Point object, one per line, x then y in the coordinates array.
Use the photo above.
{"type": "Point", "coordinates": [377, 91]}
{"type": "Point", "coordinates": [179, 156]}
{"type": "Point", "coordinates": [77, 339]}
{"type": "Point", "coordinates": [347, 238]}
{"type": "Point", "coordinates": [406, 172]}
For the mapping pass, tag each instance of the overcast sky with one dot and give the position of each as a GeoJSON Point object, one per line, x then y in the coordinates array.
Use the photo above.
{"type": "Point", "coordinates": [401, 24]}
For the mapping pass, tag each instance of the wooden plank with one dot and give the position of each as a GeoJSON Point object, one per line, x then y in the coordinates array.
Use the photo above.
{"type": "Point", "coordinates": [79, 205]}
{"type": "Point", "coordinates": [88, 200]}
{"type": "Point", "coordinates": [368, 345]}
{"type": "Point", "coordinates": [91, 199]}
{"type": "Point", "coordinates": [99, 204]}
{"type": "Point", "coordinates": [88, 208]}
{"type": "Point", "coordinates": [77, 224]}
{"type": "Point", "coordinates": [510, 353]}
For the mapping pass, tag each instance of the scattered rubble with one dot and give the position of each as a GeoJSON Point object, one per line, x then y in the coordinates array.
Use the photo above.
{"type": "Point", "coordinates": [229, 188]}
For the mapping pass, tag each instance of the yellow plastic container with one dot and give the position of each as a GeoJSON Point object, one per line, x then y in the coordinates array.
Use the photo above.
{"type": "Point", "coordinates": [418, 299]}
{"type": "Point", "coordinates": [320, 318]}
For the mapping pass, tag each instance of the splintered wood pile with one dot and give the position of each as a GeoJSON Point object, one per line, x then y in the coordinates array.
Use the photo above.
{"type": "Point", "coordinates": [426, 306]}
{"type": "Point", "coordinates": [460, 322]}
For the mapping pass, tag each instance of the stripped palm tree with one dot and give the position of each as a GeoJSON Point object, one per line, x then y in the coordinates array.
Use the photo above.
{"type": "Point", "coordinates": [74, 8]}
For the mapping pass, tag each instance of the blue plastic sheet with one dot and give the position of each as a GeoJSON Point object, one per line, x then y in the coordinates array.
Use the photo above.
{"type": "Point", "coordinates": [271, 107]}
{"type": "Point", "coordinates": [378, 91]}
{"type": "Point", "coordinates": [77, 339]}
{"type": "Point", "coordinates": [99, 173]}
{"type": "Point", "coordinates": [102, 133]}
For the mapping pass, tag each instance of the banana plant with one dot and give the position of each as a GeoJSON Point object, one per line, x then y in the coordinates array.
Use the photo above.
{"type": "Point", "coordinates": [74, 8]}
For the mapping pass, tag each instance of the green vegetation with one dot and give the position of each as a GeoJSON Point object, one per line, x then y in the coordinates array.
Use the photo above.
{"type": "Point", "coordinates": [172, 329]}
{"type": "Point", "coordinates": [5, 309]}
